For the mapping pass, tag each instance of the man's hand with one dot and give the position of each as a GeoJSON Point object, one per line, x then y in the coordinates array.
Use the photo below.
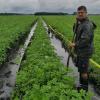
{"type": "Point", "coordinates": [71, 45]}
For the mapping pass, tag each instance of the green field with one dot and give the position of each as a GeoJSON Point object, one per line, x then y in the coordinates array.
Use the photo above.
{"type": "Point", "coordinates": [42, 76]}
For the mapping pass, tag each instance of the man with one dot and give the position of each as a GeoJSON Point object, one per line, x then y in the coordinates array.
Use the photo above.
{"type": "Point", "coordinates": [83, 45]}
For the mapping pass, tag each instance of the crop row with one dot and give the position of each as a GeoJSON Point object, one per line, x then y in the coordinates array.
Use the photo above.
{"type": "Point", "coordinates": [13, 29]}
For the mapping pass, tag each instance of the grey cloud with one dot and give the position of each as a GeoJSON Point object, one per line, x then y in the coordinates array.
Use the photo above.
{"type": "Point", "coordinates": [30, 6]}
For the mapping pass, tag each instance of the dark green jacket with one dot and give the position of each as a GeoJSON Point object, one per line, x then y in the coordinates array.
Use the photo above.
{"type": "Point", "coordinates": [84, 34]}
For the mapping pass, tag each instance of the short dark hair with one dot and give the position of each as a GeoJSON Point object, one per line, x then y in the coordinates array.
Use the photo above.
{"type": "Point", "coordinates": [82, 8]}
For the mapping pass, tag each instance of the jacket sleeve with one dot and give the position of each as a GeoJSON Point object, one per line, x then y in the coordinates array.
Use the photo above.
{"type": "Point", "coordinates": [84, 40]}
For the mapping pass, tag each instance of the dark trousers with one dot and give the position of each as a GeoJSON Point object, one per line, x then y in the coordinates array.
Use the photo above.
{"type": "Point", "coordinates": [83, 64]}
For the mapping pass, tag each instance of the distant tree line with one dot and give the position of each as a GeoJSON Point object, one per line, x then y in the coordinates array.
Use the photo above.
{"type": "Point", "coordinates": [50, 13]}
{"type": "Point", "coordinates": [14, 14]}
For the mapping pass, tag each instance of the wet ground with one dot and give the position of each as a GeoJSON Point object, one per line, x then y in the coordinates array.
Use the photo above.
{"type": "Point", "coordinates": [9, 70]}
{"type": "Point", "coordinates": [64, 55]}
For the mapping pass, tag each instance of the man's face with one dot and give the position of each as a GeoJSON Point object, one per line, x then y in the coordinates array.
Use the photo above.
{"type": "Point", "coordinates": [81, 14]}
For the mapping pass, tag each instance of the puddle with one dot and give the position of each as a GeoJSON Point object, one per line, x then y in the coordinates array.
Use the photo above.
{"type": "Point", "coordinates": [9, 71]}
{"type": "Point", "coordinates": [64, 55]}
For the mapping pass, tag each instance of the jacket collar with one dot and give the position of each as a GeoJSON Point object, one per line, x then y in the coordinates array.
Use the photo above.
{"type": "Point", "coordinates": [85, 19]}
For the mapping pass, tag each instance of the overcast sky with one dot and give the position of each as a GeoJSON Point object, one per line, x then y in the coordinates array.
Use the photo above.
{"type": "Point", "coordinates": [31, 6]}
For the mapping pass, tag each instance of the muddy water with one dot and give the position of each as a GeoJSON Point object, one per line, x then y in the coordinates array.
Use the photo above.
{"type": "Point", "coordinates": [9, 71]}
{"type": "Point", "coordinates": [64, 55]}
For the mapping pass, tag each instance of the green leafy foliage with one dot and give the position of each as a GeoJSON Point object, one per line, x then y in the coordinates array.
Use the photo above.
{"type": "Point", "coordinates": [11, 29]}
{"type": "Point", "coordinates": [95, 78]}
